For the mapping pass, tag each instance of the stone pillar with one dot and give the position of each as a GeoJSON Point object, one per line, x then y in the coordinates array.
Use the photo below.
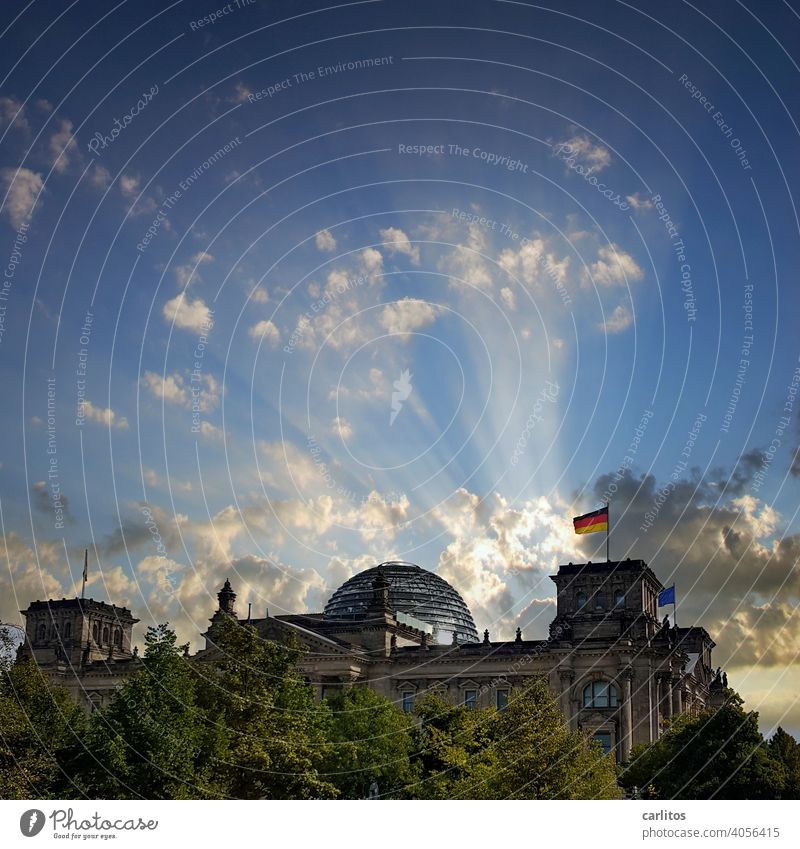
{"type": "Point", "coordinates": [665, 697]}
{"type": "Point", "coordinates": [627, 717]}
{"type": "Point", "coordinates": [566, 677]}
{"type": "Point", "coordinates": [677, 696]}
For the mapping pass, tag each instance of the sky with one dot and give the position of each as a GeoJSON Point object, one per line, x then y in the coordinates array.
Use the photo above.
{"type": "Point", "coordinates": [290, 289]}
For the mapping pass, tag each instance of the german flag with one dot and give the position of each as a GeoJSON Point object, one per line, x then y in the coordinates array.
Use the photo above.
{"type": "Point", "coordinates": [590, 523]}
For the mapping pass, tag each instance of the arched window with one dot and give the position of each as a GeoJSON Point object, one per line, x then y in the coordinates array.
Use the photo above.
{"type": "Point", "coordinates": [118, 637]}
{"type": "Point", "coordinates": [67, 630]}
{"type": "Point", "coordinates": [105, 636]}
{"type": "Point", "coordinates": [619, 598]}
{"type": "Point", "coordinates": [42, 632]}
{"type": "Point", "coordinates": [600, 600]}
{"type": "Point", "coordinates": [95, 632]}
{"type": "Point", "coordinates": [580, 600]}
{"type": "Point", "coordinates": [600, 694]}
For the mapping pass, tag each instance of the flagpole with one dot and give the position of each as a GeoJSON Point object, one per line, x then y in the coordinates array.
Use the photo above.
{"type": "Point", "coordinates": [85, 572]}
{"type": "Point", "coordinates": [608, 532]}
{"type": "Point", "coordinates": [674, 607]}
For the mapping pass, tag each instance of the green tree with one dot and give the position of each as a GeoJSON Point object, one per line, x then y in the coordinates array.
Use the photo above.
{"type": "Point", "coordinates": [532, 754]}
{"type": "Point", "coordinates": [275, 730]}
{"type": "Point", "coordinates": [718, 754]}
{"type": "Point", "coordinates": [447, 742]}
{"type": "Point", "coordinates": [40, 730]}
{"type": "Point", "coordinates": [370, 741]}
{"type": "Point", "coordinates": [785, 749]}
{"type": "Point", "coordinates": [151, 741]}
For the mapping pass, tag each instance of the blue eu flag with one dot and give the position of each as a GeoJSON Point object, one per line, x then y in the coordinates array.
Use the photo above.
{"type": "Point", "coordinates": [666, 596]}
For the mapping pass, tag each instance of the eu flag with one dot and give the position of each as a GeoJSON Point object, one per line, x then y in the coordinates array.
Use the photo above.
{"type": "Point", "coordinates": [666, 596]}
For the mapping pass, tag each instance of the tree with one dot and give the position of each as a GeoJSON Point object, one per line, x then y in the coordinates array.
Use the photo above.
{"type": "Point", "coordinates": [785, 749]}
{"type": "Point", "coordinates": [534, 755]}
{"type": "Point", "coordinates": [152, 741]}
{"type": "Point", "coordinates": [718, 754]}
{"type": "Point", "coordinates": [370, 741]}
{"type": "Point", "coordinates": [40, 730]}
{"type": "Point", "coordinates": [275, 731]}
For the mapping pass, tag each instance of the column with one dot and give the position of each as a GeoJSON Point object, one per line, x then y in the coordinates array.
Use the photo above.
{"type": "Point", "coordinates": [666, 697]}
{"type": "Point", "coordinates": [627, 717]}
{"type": "Point", "coordinates": [677, 696]}
{"type": "Point", "coordinates": [566, 677]}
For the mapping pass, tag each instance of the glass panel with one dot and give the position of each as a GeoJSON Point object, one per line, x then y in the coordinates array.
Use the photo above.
{"type": "Point", "coordinates": [587, 695]}
{"type": "Point", "coordinates": [580, 600]}
{"type": "Point", "coordinates": [600, 694]}
{"type": "Point", "coordinates": [604, 739]}
{"type": "Point", "coordinates": [502, 699]}
{"type": "Point", "coordinates": [408, 702]}
{"type": "Point", "coordinates": [470, 698]}
{"type": "Point", "coordinates": [600, 601]}
{"type": "Point", "coordinates": [612, 695]}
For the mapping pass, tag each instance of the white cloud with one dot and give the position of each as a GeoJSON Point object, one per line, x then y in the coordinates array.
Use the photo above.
{"type": "Point", "coordinates": [509, 298]}
{"type": "Point", "coordinates": [325, 241]}
{"type": "Point", "coordinates": [341, 427]}
{"type": "Point", "coordinates": [536, 266]}
{"type": "Point", "coordinates": [103, 415]}
{"type": "Point", "coordinates": [267, 331]}
{"type": "Point", "coordinates": [242, 93]}
{"type": "Point", "coordinates": [204, 394]}
{"type": "Point", "coordinates": [12, 112]}
{"type": "Point", "coordinates": [188, 313]}
{"type": "Point", "coordinates": [399, 243]}
{"type": "Point", "coordinates": [188, 273]}
{"type": "Point", "coordinates": [129, 186]}
{"type": "Point", "coordinates": [210, 431]}
{"type": "Point", "coordinates": [619, 320]}
{"type": "Point", "coordinates": [584, 151]}
{"type": "Point", "coordinates": [408, 315]}
{"type": "Point", "coordinates": [63, 148]}
{"type": "Point", "coordinates": [100, 178]}
{"type": "Point", "coordinates": [613, 267]}
{"type": "Point", "coordinates": [639, 203]}
{"type": "Point", "coordinates": [22, 186]}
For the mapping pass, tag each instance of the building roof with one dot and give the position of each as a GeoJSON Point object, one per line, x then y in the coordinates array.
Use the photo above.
{"type": "Point", "coordinates": [412, 590]}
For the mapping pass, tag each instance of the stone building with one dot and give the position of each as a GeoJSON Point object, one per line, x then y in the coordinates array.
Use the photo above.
{"type": "Point", "coordinates": [617, 671]}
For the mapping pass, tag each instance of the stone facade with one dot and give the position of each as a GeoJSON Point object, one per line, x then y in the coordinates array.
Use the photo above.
{"type": "Point", "coordinates": [617, 671]}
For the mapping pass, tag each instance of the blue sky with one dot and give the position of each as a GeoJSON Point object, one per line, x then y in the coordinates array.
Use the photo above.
{"type": "Point", "coordinates": [557, 289]}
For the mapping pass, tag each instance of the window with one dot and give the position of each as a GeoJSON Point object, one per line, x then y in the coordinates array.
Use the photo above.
{"type": "Point", "coordinates": [470, 699]}
{"type": "Point", "coordinates": [408, 702]}
{"type": "Point", "coordinates": [105, 635]}
{"type": "Point", "coordinates": [67, 630]}
{"type": "Point", "coordinates": [580, 600]}
{"type": "Point", "coordinates": [600, 601]}
{"type": "Point", "coordinates": [502, 699]}
{"type": "Point", "coordinates": [95, 632]}
{"type": "Point", "coordinates": [118, 637]}
{"type": "Point", "coordinates": [604, 739]}
{"type": "Point", "coordinates": [600, 694]}
{"type": "Point", "coordinates": [619, 598]}
{"type": "Point", "coordinates": [42, 632]}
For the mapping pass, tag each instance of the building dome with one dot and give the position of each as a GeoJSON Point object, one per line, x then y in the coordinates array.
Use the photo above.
{"type": "Point", "coordinates": [413, 591]}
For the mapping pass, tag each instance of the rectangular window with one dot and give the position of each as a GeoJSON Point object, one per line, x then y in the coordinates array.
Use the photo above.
{"type": "Point", "coordinates": [604, 739]}
{"type": "Point", "coordinates": [408, 702]}
{"type": "Point", "coordinates": [502, 699]}
{"type": "Point", "coordinates": [601, 694]}
{"type": "Point", "coordinates": [470, 699]}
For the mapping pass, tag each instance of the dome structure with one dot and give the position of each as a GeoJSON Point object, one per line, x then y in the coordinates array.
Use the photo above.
{"type": "Point", "coordinates": [413, 591]}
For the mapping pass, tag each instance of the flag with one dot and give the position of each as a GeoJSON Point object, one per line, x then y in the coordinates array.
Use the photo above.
{"type": "Point", "coordinates": [590, 523]}
{"type": "Point", "coordinates": [666, 596]}
{"type": "Point", "coordinates": [85, 565]}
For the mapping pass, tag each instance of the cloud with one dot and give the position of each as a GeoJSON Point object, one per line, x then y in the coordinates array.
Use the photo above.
{"type": "Point", "coordinates": [211, 432]}
{"type": "Point", "coordinates": [63, 148]}
{"type": "Point", "coordinates": [509, 298]}
{"type": "Point", "coordinates": [408, 315]}
{"type": "Point", "coordinates": [188, 313]}
{"type": "Point", "coordinates": [465, 264]}
{"type": "Point", "coordinates": [202, 394]}
{"type": "Point", "coordinates": [242, 92]}
{"type": "Point", "coordinates": [30, 574]}
{"type": "Point", "coordinates": [342, 428]}
{"type": "Point", "coordinates": [584, 151]}
{"type": "Point", "coordinates": [325, 241]}
{"type": "Point", "coordinates": [535, 265]}
{"type": "Point", "coordinates": [22, 188]}
{"type": "Point", "coordinates": [639, 203]}
{"type": "Point", "coordinates": [43, 500]}
{"type": "Point", "coordinates": [103, 415]}
{"type": "Point", "coordinates": [100, 178]}
{"type": "Point", "coordinates": [619, 320]}
{"type": "Point", "coordinates": [399, 243]}
{"type": "Point", "coordinates": [188, 273]}
{"type": "Point", "coordinates": [12, 113]}
{"type": "Point", "coordinates": [267, 331]}
{"type": "Point", "coordinates": [613, 267]}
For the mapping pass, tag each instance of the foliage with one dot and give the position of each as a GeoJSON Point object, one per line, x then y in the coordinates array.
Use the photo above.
{"type": "Point", "coordinates": [275, 731]}
{"type": "Point", "coordinates": [39, 732]}
{"type": "Point", "coordinates": [785, 749]}
{"type": "Point", "coordinates": [718, 754]}
{"type": "Point", "coordinates": [370, 741]}
{"type": "Point", "coordinates": [151, 741]}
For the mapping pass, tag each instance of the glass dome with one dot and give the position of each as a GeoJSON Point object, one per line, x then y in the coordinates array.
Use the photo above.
{"type": "Point", "coordinates": [412, 590]}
